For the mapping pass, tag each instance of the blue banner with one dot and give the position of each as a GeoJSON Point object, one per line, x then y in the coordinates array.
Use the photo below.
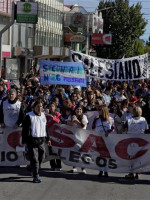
{"type": "Point", "coordinates": [62, 73]}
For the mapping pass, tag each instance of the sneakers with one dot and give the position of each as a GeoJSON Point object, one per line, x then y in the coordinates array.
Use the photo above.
{"type": "Point", "coordinates": [129, 176]}
{"type": "Point", "coordinates": [106, 174]}
{"type": "Point", "coordinates": [83, 171]}
{"type": "Point", "coordinates": [52, 169]}
{"type": "Point", "coordinates": [137, 176]}
{"type": "Point", "coordinates": [101, 174]}
{"type": "Point", "coordinates": [74, 170]}
{"type": "Point", "coordinates": [57, 169]}
{"type": "Point", "coordinates": [37, 180]}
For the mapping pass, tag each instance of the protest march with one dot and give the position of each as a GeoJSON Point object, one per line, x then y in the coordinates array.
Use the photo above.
{"type": "Point", "coordinates": [89, 113]}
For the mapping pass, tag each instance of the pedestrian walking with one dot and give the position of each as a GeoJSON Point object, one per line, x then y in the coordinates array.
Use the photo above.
{"type": "Point", "coordinates": [34, 135]}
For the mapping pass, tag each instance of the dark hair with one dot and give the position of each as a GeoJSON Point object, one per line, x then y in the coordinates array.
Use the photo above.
{"type": "Point", "coordinates": [108, 88]}
{"type": "Point", "coordinates": [52, 102]}
{"type": "Point", "coordinates": [103, 87]}
{"type": "Point", "coordinates": [132, 92]}
{"type": "Point", "coordinates": [2, 85]}
{"type": "Point", "coordinates": [36, 94]}
{"type": "Point", "coordinates": [36, 103]}
{"type": "Point", "coordinates": [54, 98]}
{"type": "Point", "coordinates": [91, 92]}
{"type": "Point", "coordinates": [74, 113]}
{"type": "Point", "coordinates": [69, 110]}
{"type": "Point", "coordinates": [14, 87]}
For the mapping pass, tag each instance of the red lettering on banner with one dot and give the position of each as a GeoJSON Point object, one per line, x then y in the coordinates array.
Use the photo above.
{"type": "Point", "coordinates": [100, 146]}
{"type": "Point", "coordinates": [122, 148]}
{"type": "Point", "coordinates": [63, 141]}
{"type": "Point", "coordinates": [14, 139]}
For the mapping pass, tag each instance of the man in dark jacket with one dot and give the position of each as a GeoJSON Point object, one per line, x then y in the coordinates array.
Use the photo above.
{"type": "Point", "coordinates": [34, 135]}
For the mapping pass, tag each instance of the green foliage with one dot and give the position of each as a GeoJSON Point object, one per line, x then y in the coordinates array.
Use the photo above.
{"type": "Point", "coordinates": [139, 48]}
{"type": "Point", "coordinates": [126, 24]}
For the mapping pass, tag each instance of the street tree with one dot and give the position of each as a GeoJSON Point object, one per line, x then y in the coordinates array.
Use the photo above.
{"type": "Point", "coordinates": [126, 24]}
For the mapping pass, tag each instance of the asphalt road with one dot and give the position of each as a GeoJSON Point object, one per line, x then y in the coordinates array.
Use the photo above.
{"type": "Point", "coordinates": [16, 184]}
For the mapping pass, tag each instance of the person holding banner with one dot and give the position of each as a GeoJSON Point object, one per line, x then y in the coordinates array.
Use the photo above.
{"type": "Point", "coordinates": [79, 120]}
{"type": "Point", "coordinates": [34, 135]}
{"type": "Point", "coordinates": [102, 125]}
{"type": "Point", "coordinates": [119, 114]}
{"type": "Point", "coordinates": [53, 117]}
{"type": "Point", "coordinates": [136, 125]}
{"type": "Point", "coordinates": [146, 111]}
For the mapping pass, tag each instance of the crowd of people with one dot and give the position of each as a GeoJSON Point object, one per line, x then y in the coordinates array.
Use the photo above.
{"type": "Point", "coordinates": [127, 102]}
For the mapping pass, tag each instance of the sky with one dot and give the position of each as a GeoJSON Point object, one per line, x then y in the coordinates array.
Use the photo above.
{"type": "Point", "coordinates": [91, 5]}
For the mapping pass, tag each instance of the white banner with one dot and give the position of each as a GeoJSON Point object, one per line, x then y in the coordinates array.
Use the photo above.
{"type": "Point", "coordinates": [10, 140]}
{"type": "Point", "coordinates": [133, 68]}
{"type": "Point", "coordinates": [121, 153]}
{"type": "Point", "coordinates": [84, 148]}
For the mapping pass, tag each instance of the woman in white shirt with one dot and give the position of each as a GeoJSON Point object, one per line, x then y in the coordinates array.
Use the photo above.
{"type": "Point", "coordinates": [79, 120]}
{"type": "Point", "coordinates": [103, 126]}
{"type": "Point", "coordinates": [136, 125]}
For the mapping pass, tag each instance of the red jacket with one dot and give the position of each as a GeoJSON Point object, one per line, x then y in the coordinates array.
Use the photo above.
{"type": "Point", "coordinates": [52, 120]}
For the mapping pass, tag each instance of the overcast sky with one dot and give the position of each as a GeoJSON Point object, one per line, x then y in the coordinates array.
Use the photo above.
{"type": "Point", "coordinates": [91, 5]}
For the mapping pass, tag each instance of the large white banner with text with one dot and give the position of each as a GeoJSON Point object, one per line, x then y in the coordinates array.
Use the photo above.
{"type": "Point", "coordinates": [133, 68]}
{"type": "Point", "coordinates": [84, 148]}
{"type": "Point", "coordinates": [88, 149]}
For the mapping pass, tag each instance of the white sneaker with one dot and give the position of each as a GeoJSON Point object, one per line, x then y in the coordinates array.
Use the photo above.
{"type": "Point", "coordinates": [83, 171]}
{"type": "Point", "coordinates": [57, 169]}
{"type": "Point", "coordinates": [74, 170]}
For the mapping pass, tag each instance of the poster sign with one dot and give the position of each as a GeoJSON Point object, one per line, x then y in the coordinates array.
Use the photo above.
{"type": "Point", "coordinates": [62, 73]}
{"type": "Point", "coordinates": [27, 12]}
{"type": "Point", "coordinates": [98, 38]}
{"type": "Point", "coordinates": [77, 19]}
{"type": "Point", "coordinates": [6, 54]}
{"type": "Point", "coordinates": [68, 37]}
{"type": "Point", "coordinates": [133, 68]}
{"type": "Point", "coordinates": [77, 38]}
{"type": "Point", "coordinates": [12, 69]}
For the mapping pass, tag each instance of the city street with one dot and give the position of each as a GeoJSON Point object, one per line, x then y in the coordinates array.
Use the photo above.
{"type": "Point", "coordinates": [74, 86]}
{"type": "Point", "coordinates": [16, 184]}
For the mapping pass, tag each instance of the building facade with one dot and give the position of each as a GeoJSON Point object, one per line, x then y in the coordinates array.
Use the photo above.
{"type": "Point", "coordinates": [27, 42]}
{"type": "Point", "coordinates": [49, 29]}
{"type": "Point", "coordinates": [79, 25]}
{"type": "Point", "coordinates": [31, 40]}
{"type": "Point", "coordinates": [5, 16]}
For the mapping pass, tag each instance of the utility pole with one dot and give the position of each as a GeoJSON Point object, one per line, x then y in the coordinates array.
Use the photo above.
{"type": "Point", "coordinates": [87, 38]}
{"type": "Point", "coordinates": [5, 29]}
